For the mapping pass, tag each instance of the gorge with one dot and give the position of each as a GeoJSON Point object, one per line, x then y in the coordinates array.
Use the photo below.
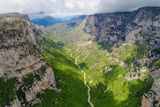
{"type": "Point", "coordinates": [105, 59]}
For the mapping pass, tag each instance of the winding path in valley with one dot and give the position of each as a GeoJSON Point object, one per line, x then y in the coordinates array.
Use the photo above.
{"type": "Point", "coordinates": [89, 96]}
{"type": "Point", "coordinates": [68, 51]}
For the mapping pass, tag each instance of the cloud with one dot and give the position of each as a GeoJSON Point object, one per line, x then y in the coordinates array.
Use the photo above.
{"type": "Point", "coordinates": [126, 5]}
{"type": "Point", "coordinates": [72, 7]}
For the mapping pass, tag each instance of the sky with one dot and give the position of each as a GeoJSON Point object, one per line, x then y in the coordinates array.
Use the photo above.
{"type": "Point", "coordinates": [72, 7]}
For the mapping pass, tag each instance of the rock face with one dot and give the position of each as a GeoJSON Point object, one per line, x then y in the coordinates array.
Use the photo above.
{"type": "Point", "coordinates": [20, 58]}
{"type": "Point", "coordinates": [108, 27]}
{"type": "Point", "coordinates": [140, 26]}
{"type": "Point", "coordinates": [111, 28]}
{"type": "Point", "coordinates": [152, 98]}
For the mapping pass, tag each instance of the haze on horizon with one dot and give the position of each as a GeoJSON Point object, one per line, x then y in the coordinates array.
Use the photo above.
{"type": "Point", "coordinates": [72, 7]}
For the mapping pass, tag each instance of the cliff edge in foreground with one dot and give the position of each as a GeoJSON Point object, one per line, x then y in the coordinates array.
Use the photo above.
{"type": "Point", "coordinates": [24, 73]}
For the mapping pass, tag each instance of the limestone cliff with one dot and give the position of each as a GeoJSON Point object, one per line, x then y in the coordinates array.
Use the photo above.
{"type": "Point", "coordinates": [111, 28]}
{"type": "Point", "coordinates": [20, 58]}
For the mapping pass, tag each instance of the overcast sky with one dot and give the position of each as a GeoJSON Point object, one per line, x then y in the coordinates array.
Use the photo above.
{"type": "Point", "coordinates": [73, 7]}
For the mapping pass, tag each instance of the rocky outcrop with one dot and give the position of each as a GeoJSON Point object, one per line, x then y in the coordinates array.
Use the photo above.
{"type": "Point", "coordinates": [145, 103]}
{"type": "Point", "coordinates": [20, 58]}
{"type": "Point", "coordinates": [152, 97]}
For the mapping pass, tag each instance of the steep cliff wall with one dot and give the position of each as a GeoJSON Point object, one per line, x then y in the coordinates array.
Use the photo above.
{"type": "Point", "coordinates": [21, 59]}
{"type": "Point", "coordinates": [138, 27]}
{"type": "Point", "coordinates": [109, 27]}
{"type": "Point", "coordinates": [119, 27]}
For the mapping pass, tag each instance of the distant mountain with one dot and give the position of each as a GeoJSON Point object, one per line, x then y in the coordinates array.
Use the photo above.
{"type": "Point", "coordinates": [60, 29]}
{"type": "Point", "coordinates": [46, 20]}
{"type": "Point", "coordinates": [67, 18]}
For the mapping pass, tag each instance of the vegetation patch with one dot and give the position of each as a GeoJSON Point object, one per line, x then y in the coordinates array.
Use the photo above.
{"type": "Point", "coordinates": [157, 63]}
{"type": "Point", "coordinates": [21, 96]}
{"type": "Point", "coordinates": [7, 91]}
{"type": "Point", "coordinates": [28, 81]}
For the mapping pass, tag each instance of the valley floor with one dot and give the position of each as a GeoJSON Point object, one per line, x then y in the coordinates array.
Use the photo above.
{"type": "Point", "coordinates": [111, 78]}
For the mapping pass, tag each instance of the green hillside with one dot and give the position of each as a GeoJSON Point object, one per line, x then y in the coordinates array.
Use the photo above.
{"type": "Point", "coordinates": [72, 91]}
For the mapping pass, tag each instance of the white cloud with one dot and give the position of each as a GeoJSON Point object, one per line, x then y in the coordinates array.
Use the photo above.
{"type": "Point", "coordinates": [69, 7]}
